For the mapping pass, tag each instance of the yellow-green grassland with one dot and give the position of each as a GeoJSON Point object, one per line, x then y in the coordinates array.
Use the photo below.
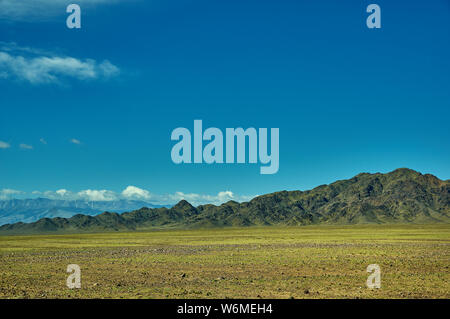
{"type": "Point", "coordinates": [252, 262]}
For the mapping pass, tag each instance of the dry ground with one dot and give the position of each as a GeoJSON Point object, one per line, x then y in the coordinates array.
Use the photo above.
{"type": "Point", "coordinates": [270, 262]}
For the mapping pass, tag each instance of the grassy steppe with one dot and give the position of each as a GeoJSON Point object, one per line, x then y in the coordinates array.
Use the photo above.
{"type": "Point", "coordinates": [263, 262]}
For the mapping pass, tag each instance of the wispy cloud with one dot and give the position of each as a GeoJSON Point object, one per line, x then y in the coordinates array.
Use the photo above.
{"type": "Point", "coordinates": [199, 199]}
{"type": "Point", "coordinates": [4, 145]}
{"type": "Point", "coordinates": [14, 47]}
{"type": "Point", "coordinates": [26, 146]}
{"type": "Point", "coordinates": [75, 141]}
{"type": "Point", "coordinates": [38, 66]}
{"type": "Point", "coordinates": [7, 193]}
{"type": "Point", "coordinates": [42, 69]}
{"type": "Point", "coordinates": [43, 141]}
{"type": "Point", "coordinates": [97, 195]}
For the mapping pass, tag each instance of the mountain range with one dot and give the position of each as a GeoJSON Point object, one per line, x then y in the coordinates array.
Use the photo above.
{"type": "Point", "coordinates": [31, 210]}
{"type": "Point", "coordinates": [401, 196]}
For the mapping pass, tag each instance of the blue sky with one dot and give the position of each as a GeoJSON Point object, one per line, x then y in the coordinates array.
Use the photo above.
{"type": "Point", "coordinates": [93, 109]}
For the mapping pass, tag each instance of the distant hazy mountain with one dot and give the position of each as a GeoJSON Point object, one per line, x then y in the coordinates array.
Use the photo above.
{"type": "Point", "coordinates": [401, 196]}
{"type": "Point", "coordinates": [30, 210]}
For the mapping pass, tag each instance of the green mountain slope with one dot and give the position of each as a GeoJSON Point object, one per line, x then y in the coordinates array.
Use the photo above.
{"type": "Point", "coordinates": [401, 196]}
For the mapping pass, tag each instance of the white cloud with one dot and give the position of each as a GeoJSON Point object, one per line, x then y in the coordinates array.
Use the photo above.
{"type": "Point", "coordinates": [226, 195]}
{"type": "Point", "coordinates": [4, 145]}
{"type": "Point", "coordinates": [200, 199]}
{"type": "Point", "coordinates": [52, 69]}
{"type": "Point", "coordinates": [59, 194]}
{"type": "Point", "coordinates": [39, 66]}
{"type": "Point", "coordinates": [108, 69]}
{"type": "Point", "coordinates": [62, 192]}
{"type": "Point", "coordinates": [43, 141]}
{"type": "Point", "coordinates": [97, 195]}
{"type": "Point", "coordinates": [75, 141]}
{"type": "Point", "coordinates": [133, 192]}
{"type": "Point", "coordinates": [14, 47]}
{"type": "Point", "coordinates": [26, 146]}
{"type": "Point", "coordinates": [7, 193]}
{"type": "Point", "coordinates": [87, 195]}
